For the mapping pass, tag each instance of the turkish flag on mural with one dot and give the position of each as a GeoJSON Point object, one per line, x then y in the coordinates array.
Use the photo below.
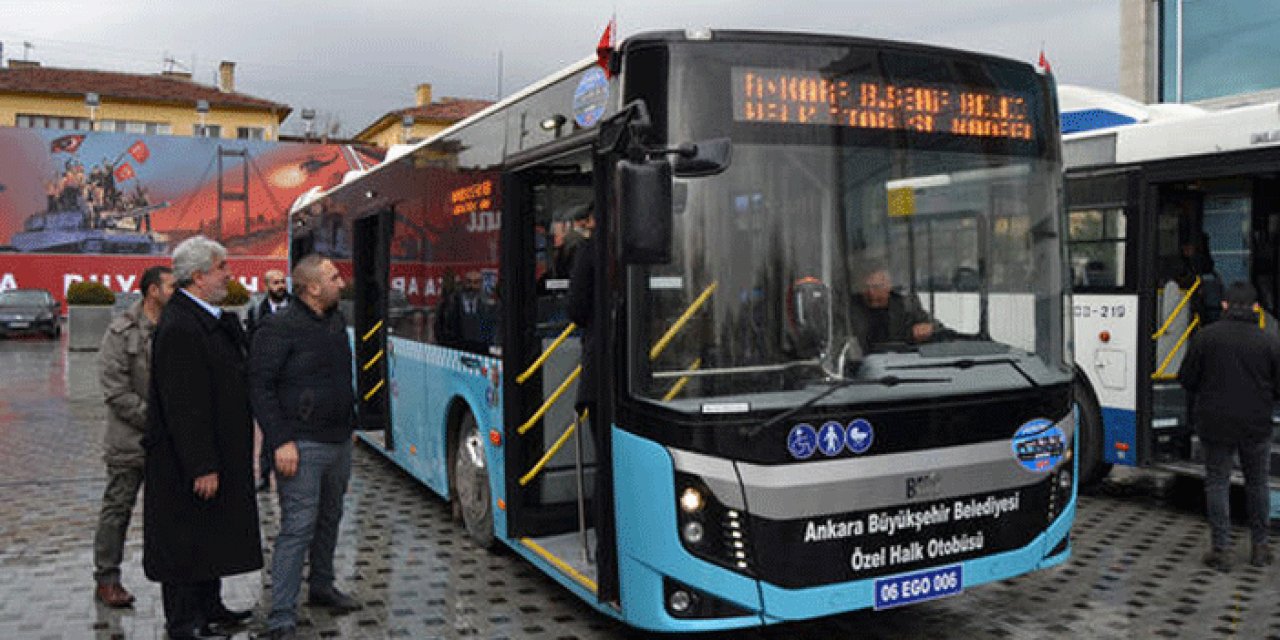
{"type": "Point", "coordinates": [66, 144]}
{"type": "Point", "coordinates": [125, 172]}
{"type": "Point", "coordinates": [139, 151]}
{"type": "Point", "coordinates": [604, 50]}
{"type": "Point", "coordinates": [1044, 62]}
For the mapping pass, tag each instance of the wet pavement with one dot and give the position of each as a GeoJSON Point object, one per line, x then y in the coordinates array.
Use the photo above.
{"type": "Point", "coordinates": [1135, 572]}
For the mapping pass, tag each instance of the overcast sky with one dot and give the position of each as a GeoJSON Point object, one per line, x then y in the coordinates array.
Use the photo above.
{"type": "Point", "coordinates": [353, 61]}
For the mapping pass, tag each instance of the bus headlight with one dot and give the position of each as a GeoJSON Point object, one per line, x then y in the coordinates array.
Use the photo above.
{"type": "Point", "coordinates": [691, 500]}
{"type": "Point", "coordinates": [707, 528]}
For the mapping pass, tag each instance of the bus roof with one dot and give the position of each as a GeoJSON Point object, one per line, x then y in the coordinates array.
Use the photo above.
{"type": "Point", "coordinates": [1132, 132]}
{"type": "Point", "coordinates": [399, 151]}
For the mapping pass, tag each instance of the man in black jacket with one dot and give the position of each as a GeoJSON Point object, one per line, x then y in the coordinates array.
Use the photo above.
{"type": "Point", "coordinates": [200, 517]}
{"type": "Point", "coordinates": [274, 302]}
{"type": "Point", "coordinates": [302, 395]}
{"type": "Point", "coordinates": [1232, 371]}
{"type": "Point", "coordinates": [881, 315]}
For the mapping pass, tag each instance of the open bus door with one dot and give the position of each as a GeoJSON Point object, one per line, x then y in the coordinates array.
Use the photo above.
{"type": "Point", "coordinates": [552, 469]}
{"type": "Point", "coordinates": [371, 321]}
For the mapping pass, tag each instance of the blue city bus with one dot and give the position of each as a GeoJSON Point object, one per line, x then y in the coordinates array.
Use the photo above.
{"type": "Point", "coordinates": [750, 456]}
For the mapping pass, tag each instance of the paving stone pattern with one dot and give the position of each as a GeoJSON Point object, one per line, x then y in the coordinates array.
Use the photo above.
{"type": "Point", "coordinates": [1135, 572]}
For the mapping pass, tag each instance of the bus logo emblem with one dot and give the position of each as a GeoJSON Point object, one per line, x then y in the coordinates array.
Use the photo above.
{"type": "Point", "coordinates": [1039, 445]}
{"type": "Point", "coordinates": [859, 436]}
{"type": "Point", "coordinates": [802, 441]}
{"type": "Point", "coordinates": [831, 438]}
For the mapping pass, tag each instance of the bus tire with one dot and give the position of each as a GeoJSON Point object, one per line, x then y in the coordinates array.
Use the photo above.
{"type": "Point", "coordinates": [471, 471]}
{"type": "Point", "coordinates": [1092, 468]}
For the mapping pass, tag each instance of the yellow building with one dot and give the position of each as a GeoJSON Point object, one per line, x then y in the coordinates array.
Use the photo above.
{"type": "Point", "coordinates": [421, 121]}
{"type": "Point", "coordinates": [170, 103]}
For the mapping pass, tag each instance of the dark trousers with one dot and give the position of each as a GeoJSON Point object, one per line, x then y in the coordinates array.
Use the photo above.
{"type": "Point", "coordinates": [188, 605]}
{"type": "Point", "coordinates": [1255, 462]}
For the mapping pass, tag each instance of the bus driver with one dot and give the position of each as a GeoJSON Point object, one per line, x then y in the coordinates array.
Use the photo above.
{"type": "Point", "coordinates": [880, 314]}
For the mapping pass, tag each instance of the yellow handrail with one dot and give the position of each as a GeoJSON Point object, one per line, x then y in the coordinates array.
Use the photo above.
{"type": "Point", "coordinates": [1160, 374]}
{"type": "Point", "coordinates": [666, 338]}
{"type": "Point", "coordinates": [679, 385]}
{"type": "Point", "coordinates": [555, 448]}
{"type": "Point", "coordinates": [542, 359]}
{"type": "Point", "coordinates": [1176, 310]}
{"type": "Point", "coordinates": [537, 415]}
{"type": "Point", "coordinates": [372, 361]}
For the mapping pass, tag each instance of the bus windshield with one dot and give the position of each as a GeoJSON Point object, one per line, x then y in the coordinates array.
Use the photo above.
{"type": "Point", "coordinates": [914, 263]}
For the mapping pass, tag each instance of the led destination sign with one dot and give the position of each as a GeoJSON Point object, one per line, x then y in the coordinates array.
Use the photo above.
{"type": "Point", "coordinates": [792, 96]}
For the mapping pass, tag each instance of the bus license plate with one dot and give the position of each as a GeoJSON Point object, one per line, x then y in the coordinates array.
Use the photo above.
{"type": "Point", "coordinates": [919, 586]}
{"type": "Point", "coordinates": [19, 325]}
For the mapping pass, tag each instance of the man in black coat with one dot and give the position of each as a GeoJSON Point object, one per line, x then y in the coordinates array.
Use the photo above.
{"type": "Point", "coordinates": [274, 302]}
{"type": "Point", "coordinates": [200, 515]}
{"type": "Point", "coordinates": [1232, 372]}
{"type": "Point", "coordinates": [301, 370]}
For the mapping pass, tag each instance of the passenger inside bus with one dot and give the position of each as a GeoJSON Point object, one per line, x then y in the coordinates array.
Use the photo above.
{"type": "Point", "coordinates": [882, 316]}
{"type": "Point", "coordinates": [468, 317]}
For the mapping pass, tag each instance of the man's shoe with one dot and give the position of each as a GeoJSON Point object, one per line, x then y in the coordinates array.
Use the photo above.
{"type": "Point", "coordinates": [1261, 555]}
{"type": "Point", "coordinates": [1218, 560]}
{"type": "Point", "coordinates": [283, 633]}
{"type": "Point", "coordinates": [226, 617]}
{"type": "Point", "coordinates": [333, 599]}
{"type": "Point", "coordinates": [114, 595]}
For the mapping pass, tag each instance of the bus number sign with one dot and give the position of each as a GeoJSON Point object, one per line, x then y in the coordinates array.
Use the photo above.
{"type": "Point", "coordinates": [919, 586]}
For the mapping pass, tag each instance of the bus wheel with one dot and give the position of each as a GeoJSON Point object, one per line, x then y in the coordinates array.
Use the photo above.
{"type": "Point", "coordinates": [1092, 468]}
{"type": "Point", "coordinates": [471, 473]}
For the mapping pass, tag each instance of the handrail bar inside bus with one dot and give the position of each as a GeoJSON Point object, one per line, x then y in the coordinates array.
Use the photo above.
{"type": "Point", "coordinates": [1160, 373]}
{"type": "Point", "coordinates": [555, 448]}
{"type": "Point", "coordinates": [1177, 310]}
{"type": "Point", "coordinates": [684, 380]}
{"type": "Point", "coordinates": [537, 415]}
{"type": "Point", "coordinates": [542, 359]}
{"type": "Point", "coordinates": [666, 338]}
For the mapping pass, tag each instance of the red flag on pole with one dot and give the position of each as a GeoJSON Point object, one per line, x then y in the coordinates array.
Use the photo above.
{"type": "Point", "coordinates": [125, 173]}
{"type": "Point", "coordinates": [604, 50]}
{"type": "Point", "coordinates": [1044, 62]}
{"type": "Point", "coordinates": [139, 151]}
{"type": "Point", "coordinates": [66, 144]}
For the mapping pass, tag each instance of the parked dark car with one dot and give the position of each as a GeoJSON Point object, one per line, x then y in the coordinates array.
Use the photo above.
{"type": "Point", "coordinates": [24, 310]}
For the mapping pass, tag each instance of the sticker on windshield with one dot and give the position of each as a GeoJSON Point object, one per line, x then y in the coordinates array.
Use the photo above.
{"type": "Point", "coordinates": [831, 438]}
{"type": "Point", "coordinates": [1039, 445]}
{"type": "Point", "coordinates": [802, 441]}
{"type": "Point", "coordinates": [859, 436]}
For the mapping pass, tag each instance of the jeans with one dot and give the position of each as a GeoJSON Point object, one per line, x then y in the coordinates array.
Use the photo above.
{"type": "Point", "coordinates": [113, 522]}
{"type": "Point", "coordinates": [1255, 460]}
{"type": "Point", "coordinates": [310, 510]}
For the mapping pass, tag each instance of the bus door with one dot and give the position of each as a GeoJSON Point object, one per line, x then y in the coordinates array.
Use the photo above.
{"type": "Point", "coordinates": [370, 319]}
{"type": "Point", "coordinates": [551, 464]}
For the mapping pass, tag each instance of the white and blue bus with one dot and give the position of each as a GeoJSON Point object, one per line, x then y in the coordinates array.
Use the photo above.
{"type": "Point", "coordinates": [749, 459]}
{"type": "Point", "coordinates": [1167, 204]}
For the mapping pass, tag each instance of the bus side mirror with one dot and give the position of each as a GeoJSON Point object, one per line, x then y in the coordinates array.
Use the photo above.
{"type": "Point", "coordinates": [644, 211]}
{"type": "Point", "coordinates": [703, 158]}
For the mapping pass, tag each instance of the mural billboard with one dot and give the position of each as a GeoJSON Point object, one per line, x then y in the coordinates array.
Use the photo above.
{"type": "Point", "coordinates": [103, 206]}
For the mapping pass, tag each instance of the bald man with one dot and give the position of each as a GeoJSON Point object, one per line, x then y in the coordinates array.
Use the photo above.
{"type": "Point", "coordinates": [275, 301]}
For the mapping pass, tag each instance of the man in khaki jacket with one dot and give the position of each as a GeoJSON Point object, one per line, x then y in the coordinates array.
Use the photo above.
{"type": "Point", "coordinates": [124, 376]}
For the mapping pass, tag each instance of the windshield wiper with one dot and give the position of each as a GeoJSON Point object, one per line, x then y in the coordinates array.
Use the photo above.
{"type": "Point", "coordinates": [969, 363]}
{"type": "Point", "coordinates": [885, 381]}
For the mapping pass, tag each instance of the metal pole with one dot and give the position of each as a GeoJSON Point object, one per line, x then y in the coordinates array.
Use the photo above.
{"type": "Point", "coordinates": [582, 500]}
{"type": "Point", "coordinates": [219, 223]}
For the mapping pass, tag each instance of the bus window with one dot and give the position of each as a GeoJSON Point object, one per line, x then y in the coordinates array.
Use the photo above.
{"type": "Point", "coordinates": [1097, 248]}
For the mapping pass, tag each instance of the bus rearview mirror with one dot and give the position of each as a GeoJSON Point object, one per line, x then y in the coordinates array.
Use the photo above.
{"type": "Point", "coordinates": [644, 211]}
{"type": "Point", "coordinates": [703, 158]}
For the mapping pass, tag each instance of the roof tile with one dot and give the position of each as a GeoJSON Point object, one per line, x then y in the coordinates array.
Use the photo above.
{"type": "Point", "coordinates": [125, 86]}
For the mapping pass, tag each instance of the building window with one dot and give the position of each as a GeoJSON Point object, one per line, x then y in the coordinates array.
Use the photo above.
{"type": "Point", "coordinates": [1227, 48]}
{"type": "Point", "coordinates": [207, 131]}
{"type": "Point", "coordinates": [250, 133]}
{"type": "Point", "coordinates": [34, 121]}
{"type": "Point", "coordinates": [134, 126]}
